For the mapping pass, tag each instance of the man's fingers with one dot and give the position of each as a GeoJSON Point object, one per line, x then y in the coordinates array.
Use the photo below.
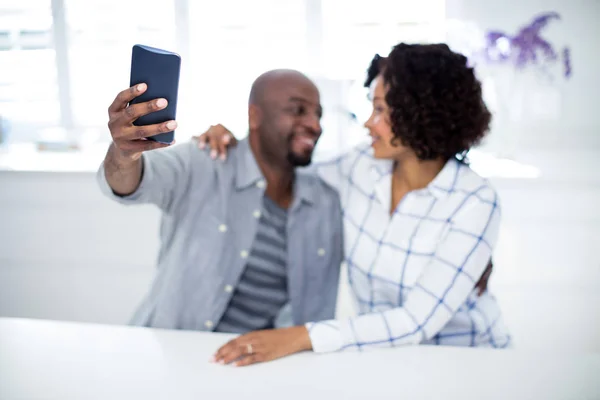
{"type": "Point", "coordinates": [483, 281]}
{"type": "Point", "coordinates": [142, 132]}
{"type": "Point", "coordinates": [123, 98]}
{"type": "Point", "coordinates": [487, 273]}
{"type": "Point", "coordinates": [137, 146]}
{"type": "Point", "coordinates": [135, 111]}
{"type": "Point", "coordinates": [479, 286]}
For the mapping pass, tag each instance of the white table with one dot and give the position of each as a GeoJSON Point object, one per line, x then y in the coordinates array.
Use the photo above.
{"type": "Point", "coordinates": [63, 360]}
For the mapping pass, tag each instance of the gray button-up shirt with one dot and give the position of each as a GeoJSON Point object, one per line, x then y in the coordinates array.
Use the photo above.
{"type": "Point", "coordinates": [210, 210]}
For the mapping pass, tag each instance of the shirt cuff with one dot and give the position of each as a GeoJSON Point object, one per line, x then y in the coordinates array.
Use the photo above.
{"type": "Point", "coordinates": [325, 336]}
{"type": "Point", "coordinates": [134, 197]}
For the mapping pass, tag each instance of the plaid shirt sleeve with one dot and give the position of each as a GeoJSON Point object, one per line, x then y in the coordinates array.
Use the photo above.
{"type": "Point", "coordinates": [446, 282]}
{"type": "Point", "coordinates": [333, 167]}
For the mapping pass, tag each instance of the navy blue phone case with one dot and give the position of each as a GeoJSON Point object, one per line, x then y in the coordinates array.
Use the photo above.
{"type": "Point", "coordinates": [159, 69]}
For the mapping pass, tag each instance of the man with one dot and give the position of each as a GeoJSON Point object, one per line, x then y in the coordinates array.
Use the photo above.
{"type": "Point", "coordinates": [241, 238]}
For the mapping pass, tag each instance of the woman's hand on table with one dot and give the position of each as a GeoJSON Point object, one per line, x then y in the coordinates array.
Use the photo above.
{"type": "Point", "coordinates": [261, 346]}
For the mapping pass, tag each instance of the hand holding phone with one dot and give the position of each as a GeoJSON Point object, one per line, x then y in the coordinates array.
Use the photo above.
{"type": "Point", "coordinates": [159, 70]}
{"type": "Point", "coordinates": [141, 113]}
{"type": "Point", "coordinates": [130, 140]}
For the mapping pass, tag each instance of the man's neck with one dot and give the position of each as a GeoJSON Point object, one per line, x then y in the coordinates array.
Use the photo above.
{"type": "Point", "coordinates": [280, 186]}
{"type": "Point", "coordinates": [279, 178]}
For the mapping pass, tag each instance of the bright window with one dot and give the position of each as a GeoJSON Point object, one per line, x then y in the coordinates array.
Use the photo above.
{"type": "Point", "coordinates": [63, 61]}
{"type": "Point", "coordinates": [101, 34]}
{"type": "Point", "coordinates": [232, 42]}
{"type": "Point", "coordinates": [28, 84]}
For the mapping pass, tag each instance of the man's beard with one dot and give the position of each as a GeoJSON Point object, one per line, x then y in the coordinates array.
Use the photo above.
{"type": "Point", "coordinates": [297, 160]}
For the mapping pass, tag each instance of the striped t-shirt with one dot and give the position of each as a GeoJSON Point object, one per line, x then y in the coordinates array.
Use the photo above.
{"type": "Point", "coordinates": [262, 289]}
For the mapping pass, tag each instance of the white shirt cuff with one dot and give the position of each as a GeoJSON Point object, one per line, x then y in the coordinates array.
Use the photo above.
{"type": "Point", "coordinates": [325, 336]}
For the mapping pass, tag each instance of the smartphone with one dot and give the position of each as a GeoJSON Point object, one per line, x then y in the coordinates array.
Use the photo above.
{"type": "Point", "coordinates": [159, 70]}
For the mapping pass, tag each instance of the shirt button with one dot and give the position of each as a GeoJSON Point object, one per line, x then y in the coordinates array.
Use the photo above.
{"type": "Point", "coordinates": [222, 228]}
{"type": "Point", "coordinates": [208, 324]}
{"type": "Point", "coordinates": [260, 184]}
{"type": "Point", "coordinates": [244, 254]}
{"type": "Point", "coordinates": [321, 252]}
{"type": "Point", "coordinates": [256, 214]}
{"type": "Point", "coordinates": [228, 288]}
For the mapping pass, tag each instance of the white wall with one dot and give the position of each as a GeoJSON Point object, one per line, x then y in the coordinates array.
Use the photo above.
{"type": "Point", "coordinates": [548, 275]}
{"type": "Point", "coordinates": [68, 253]}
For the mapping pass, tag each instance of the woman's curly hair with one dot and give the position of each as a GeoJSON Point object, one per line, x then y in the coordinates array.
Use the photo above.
{"type": "Point", "coordinates": [436, 106]}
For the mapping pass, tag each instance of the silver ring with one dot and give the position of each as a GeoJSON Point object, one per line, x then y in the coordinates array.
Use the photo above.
{"type": "Point", "coordinates": [249, 348]}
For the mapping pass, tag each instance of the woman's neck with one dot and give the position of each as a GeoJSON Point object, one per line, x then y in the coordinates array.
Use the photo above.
{"type": "Point", "coordinates": [411, 173]}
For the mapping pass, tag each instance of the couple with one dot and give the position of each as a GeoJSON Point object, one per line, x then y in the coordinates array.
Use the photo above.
{"type": "Point", "coordinates": [251, 240]}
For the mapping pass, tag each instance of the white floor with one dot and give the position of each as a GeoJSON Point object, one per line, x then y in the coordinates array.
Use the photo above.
{"type": "Point", "coordinates": [547, 274]}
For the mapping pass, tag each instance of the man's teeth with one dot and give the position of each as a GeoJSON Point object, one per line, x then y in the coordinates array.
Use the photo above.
{"type": "Point", "coordinates": [307, 140]}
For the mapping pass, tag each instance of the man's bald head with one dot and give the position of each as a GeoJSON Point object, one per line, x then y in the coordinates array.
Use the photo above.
{"type": "Point", "coordinates": [284, 114]}
{"type": "Point", "coordinates": [270, 83]}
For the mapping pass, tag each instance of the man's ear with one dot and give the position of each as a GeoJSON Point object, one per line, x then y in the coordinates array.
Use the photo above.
{"type": "Point", "coordinates": [255, 116]}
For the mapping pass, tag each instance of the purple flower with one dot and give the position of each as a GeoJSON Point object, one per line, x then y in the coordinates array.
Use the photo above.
{"type": "Point", "coordinates": [566, 53]}
{"type": "Point", "coordinates": [523, 48]}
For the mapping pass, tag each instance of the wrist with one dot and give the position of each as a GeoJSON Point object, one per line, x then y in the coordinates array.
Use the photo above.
{"type": "Point", "coordinates": [302, 338]}
{"type": "Point", "coordinates": [123, 159]}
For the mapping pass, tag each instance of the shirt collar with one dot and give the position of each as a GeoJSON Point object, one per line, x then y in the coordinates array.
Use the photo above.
{"type": "Point", "coordinates": [445, 182]}
{"type": "Point", "coordinates": [248, 174]}
{"type": "Point", "coordinates": [305, 188]}
{"type": "Point", "coordinates": [247, 171]}
{"type": "Point", "coordinates": [442, 185]}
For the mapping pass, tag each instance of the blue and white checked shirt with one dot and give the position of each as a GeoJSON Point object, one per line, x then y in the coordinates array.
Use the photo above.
{"type": "Point", "coordinates": [412, 274]}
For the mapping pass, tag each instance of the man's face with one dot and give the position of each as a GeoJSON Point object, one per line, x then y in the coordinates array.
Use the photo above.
{"type": "Point", "coordinates": [291, 124]}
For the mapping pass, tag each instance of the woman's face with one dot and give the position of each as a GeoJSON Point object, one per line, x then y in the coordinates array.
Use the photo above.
{"type": "Point", "coordinates": [379, 124]}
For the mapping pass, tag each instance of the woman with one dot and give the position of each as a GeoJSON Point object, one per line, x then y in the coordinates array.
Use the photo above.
{"type": "Point", "coordinates": [420, 225]}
